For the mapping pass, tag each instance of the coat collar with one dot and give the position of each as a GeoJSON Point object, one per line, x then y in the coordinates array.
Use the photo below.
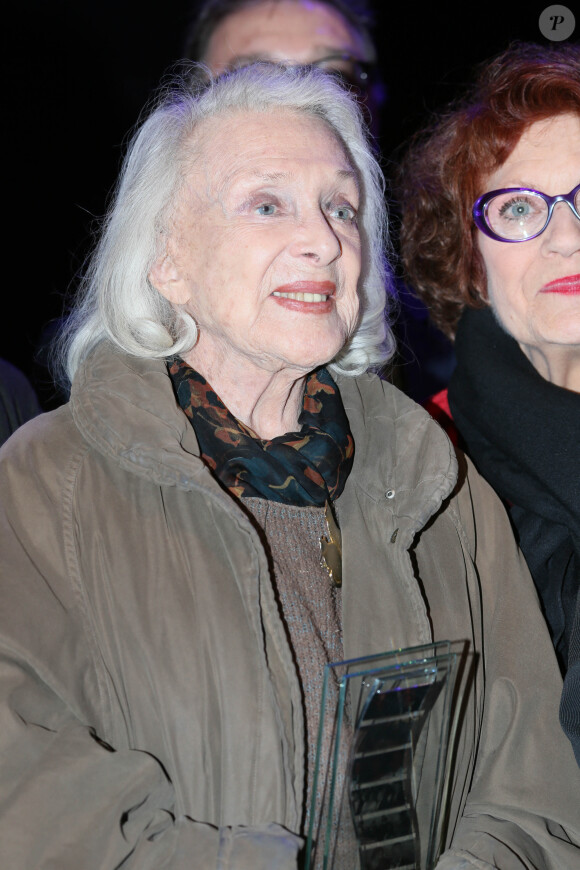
{"type": "Point", "coordinates": [125, 408]}
{"type": "Point", "coordinates": [402, 456]}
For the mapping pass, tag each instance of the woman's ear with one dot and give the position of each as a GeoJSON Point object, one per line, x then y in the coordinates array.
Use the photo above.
{"type": "Point", "coordinates": [166, 278]}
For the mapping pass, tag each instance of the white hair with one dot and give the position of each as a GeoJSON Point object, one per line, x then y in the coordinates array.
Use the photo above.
{"type": "Point", "coordinates": [116, 299]}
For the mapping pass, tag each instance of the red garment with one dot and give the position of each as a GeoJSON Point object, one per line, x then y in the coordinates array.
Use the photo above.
{"type": "Point", "coordinates": [438, 407]}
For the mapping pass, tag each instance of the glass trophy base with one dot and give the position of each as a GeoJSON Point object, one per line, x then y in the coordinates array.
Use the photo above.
{"type": "Point", "coordinates": [380, 764]}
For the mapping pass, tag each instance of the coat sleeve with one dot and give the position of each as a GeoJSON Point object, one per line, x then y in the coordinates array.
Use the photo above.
{"type": "Point", "coordinates": [68, 799]}
{"type": "Point", "coordinates": [523, 807]}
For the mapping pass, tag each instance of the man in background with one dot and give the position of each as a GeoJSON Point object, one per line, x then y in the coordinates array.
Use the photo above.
{"type": "Point", "coordinates": [334, 35]}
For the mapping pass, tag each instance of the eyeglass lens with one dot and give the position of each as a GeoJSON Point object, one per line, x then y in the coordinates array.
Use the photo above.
{"type": "Point", "coordinates": [517, 216]}
{"type": "Point", "coordinates": [351, 71]}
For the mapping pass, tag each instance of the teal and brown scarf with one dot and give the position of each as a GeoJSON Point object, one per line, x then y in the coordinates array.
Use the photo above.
{"type": "Point", "coordinates": [309, 467]}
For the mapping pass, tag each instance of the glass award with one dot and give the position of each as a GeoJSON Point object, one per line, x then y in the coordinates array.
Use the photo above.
{"type": "Point", "coordinates": [379, 780]}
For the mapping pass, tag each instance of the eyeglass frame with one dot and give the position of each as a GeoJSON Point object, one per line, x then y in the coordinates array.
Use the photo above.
{"type": "Point", "coordinates": [479, 210]}
{"type": "Point", "coordinates": [363, 83]}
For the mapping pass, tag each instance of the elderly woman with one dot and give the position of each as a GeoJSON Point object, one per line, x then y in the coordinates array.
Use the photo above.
{"type": "Point", "coordinates": [165, 614]}
{"type": "Point", "coordinates": [491, 233]}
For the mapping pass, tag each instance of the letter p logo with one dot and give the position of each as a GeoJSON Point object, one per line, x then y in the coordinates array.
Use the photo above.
{"type": "Point", "coordinates": [556, 23]}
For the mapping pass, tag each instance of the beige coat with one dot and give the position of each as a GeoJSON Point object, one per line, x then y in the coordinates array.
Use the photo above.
{"type": "Point", "coordinates": [151, 713]}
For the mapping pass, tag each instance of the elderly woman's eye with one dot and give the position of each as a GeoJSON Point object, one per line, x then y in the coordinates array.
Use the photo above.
{"type": "Point", "coordinates": [344, 213]}
{"type": "Point", "coordinates": [266, 209]}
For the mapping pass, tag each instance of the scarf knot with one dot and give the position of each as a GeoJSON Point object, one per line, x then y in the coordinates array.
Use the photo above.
{"type": "Point", "coordinates": [305, 468]}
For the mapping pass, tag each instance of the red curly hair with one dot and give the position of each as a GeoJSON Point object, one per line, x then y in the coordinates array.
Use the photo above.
{"type": "Point", "coordinates": [446, 165]}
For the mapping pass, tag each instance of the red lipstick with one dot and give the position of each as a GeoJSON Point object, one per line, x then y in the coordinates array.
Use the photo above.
{"type": "Point", "coordinates": [313, 297]}
{"type": "Point", "coordinates": [326, 288]}
{"type": "Point", "coordinates": [568, 285]}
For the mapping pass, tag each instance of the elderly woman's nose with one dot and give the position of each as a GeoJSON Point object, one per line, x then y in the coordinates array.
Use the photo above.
{"type": "Point", "coordinates": [563, 232]}
{"type": "Point", "coordinates": [316, 238]}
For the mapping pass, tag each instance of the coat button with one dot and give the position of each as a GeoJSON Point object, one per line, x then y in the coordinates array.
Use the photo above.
{"type": "Point", "coordinates": [390, 493]}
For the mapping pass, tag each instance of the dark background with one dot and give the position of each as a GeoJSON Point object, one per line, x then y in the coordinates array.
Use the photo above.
{"type": "Point", "coordinates": [78, 74]}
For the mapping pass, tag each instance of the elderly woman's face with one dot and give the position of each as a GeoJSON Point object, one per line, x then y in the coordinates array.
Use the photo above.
{"type": "Point", "coordinates": [264, 249]}
{"type": "Point", "coordinates": [534, 286]}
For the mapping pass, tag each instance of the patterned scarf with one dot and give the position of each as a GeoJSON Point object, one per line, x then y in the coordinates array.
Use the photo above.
{"type": "Point", "coordinates": [303, 468]}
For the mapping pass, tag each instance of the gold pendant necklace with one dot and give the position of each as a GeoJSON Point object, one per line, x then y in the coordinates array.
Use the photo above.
{"type": "Point", "coordinates": [331, 547]}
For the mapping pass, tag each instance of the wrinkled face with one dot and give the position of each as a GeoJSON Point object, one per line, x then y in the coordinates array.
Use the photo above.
{"type": "Point", "coordinates": [300, 31]}
{"type": "Point", "coordinates": [264, 248]}
{"type": "Point", "coordinates": [524, 281]}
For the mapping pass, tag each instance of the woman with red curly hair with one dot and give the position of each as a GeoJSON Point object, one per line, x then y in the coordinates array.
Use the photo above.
{"type": "Point", "coordinates": [491, 241]}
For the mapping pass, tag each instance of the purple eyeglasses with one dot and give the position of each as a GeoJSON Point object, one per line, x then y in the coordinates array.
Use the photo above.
{"type": "Point", "coordinates": [518, 214]}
